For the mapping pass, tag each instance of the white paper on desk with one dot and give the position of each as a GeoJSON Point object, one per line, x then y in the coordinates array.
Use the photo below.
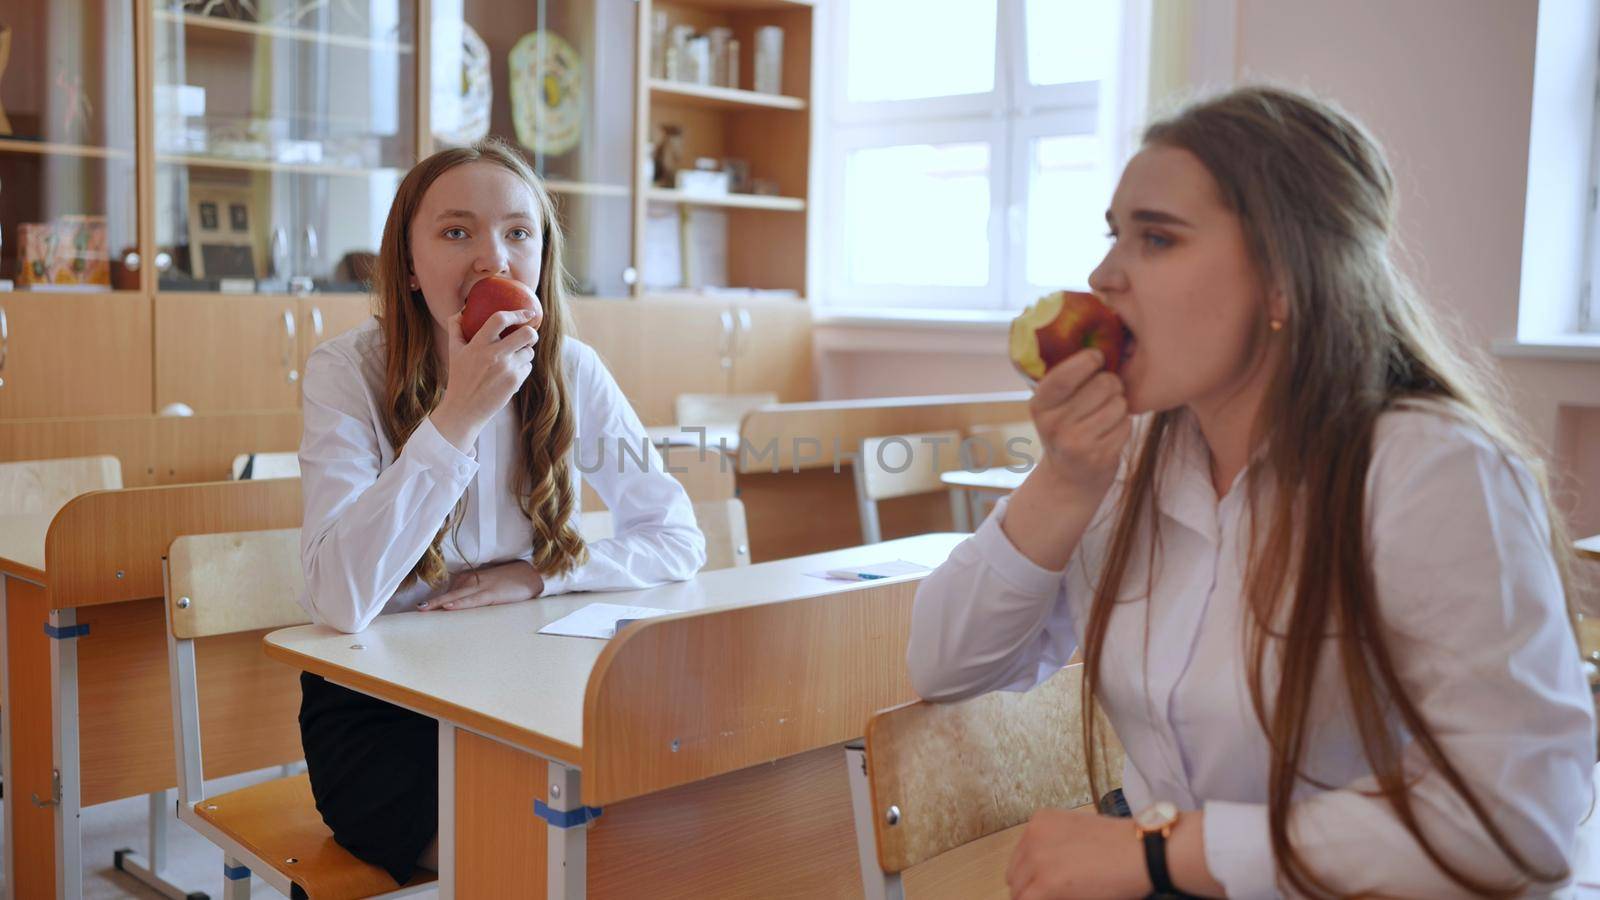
{"type": "Point", "coordinates": [872, 572]}
{"type": "Point", "coordinates": [599, 620]}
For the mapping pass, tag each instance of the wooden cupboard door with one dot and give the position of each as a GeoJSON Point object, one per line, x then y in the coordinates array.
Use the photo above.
{"type": "Point", "coordinates": [773, 350]}
{"type": "Point", "coordinates": [686, 347]}
{"type": "Point", "coordinates": [227, 353]}
{"type": "Point", "coordinates": [326, 316]}
{"type": "Point", "coordinates": [73, 355]}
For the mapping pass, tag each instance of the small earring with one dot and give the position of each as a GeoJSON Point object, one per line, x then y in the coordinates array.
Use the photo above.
{"type": "Point", "coordinates": [1275, 324]}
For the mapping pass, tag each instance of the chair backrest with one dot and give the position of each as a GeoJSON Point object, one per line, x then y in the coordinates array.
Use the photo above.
{"type": "Point", "coordinates": [698, 410]}
{"type": "Point", "coordinates": [240, 581]}
{"type": "Point", "coordinates": [956, 772]}
{"type": "Point", "coordinates": [285, 464]}
{"type": "Point", "coordinates": [218, 584]}
{"type": "Point", "coordinates": [721, 521]}
{"type": "Point", "coordinates": [991, 446]}
{"type": "Point", "coordinates": [899, 466]}
{"type": "Point", "coordinates": [33, 486]}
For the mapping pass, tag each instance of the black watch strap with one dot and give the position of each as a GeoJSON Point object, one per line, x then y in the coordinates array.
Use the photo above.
{"type": "Point", "coordinates": [1155, 860]}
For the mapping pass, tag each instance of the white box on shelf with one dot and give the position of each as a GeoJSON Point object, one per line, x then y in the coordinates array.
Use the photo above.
{"type": "Point", "coordinates": [702, 183]}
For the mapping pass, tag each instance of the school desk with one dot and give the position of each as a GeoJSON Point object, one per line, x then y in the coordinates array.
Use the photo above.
{"type": "Point", "coordinates": [696, 755]}
{"type": "Point", "coordinates": [87, 708]}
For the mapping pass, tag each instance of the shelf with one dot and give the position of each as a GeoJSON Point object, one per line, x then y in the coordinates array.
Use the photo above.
{"type": "Point", "coordinates": [42, 148]}
{"type": "Point", "coordinates": [708, 97]}
{"type": "Point", "coordinates": [189, 20]}
{"type": "Point", "coordinates": [741, 5]}
{"type": "Point", "coordinates": [737, 201]}
{"type": "Point", "coordinates": [587, 188]}
{"type": "Point", "coordinates": [261, 165]}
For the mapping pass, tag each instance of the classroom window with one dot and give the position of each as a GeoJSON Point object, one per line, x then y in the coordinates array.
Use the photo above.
{"type": "Point", "coordinates": [971, 148]}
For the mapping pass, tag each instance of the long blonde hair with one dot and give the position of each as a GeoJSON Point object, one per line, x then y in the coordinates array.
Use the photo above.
{"type": "Point", "coordinates": [412, 384]}
{"type": "Point", "coordinates": [1317, 203]}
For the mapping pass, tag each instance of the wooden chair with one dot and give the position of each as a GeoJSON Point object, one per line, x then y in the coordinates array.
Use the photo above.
{"type": "Point", "coordinates": [934, 777]}
{"type": "Point", "coordinates": [43, 486]}
{"type": "Point", "coordinates": [266, 465]}
{"type": "Point", "coordinates": [722, 522]}
{"type": "Point", "coordinates": [218, 584]}
{"type": "Point", "coordinates": [699, 410]}
{"type": "Point", "coordinates": [988, 446]}
{"type": "Point", "coordinates": [903, 465]}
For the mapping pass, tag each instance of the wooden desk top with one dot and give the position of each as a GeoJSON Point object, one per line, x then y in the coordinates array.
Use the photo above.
{"type": "Point", "coordinates": [22, 545]}
{"type": "Point", "coordinates": [1589, 547]}
{"type": "Point", "coordinates": [1000, 480]}
{"type": "Point", "coordinates": [490, 670]}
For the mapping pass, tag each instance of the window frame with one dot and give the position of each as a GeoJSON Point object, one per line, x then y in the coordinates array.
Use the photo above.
{"type": "Point", "coordinates": [1008, 118]}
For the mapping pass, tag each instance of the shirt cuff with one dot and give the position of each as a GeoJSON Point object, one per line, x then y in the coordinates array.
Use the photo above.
{"type": "Point", "coordinates": [555, 584]}
{"type": "Point", "coordinates": [1239, 849]}
{"type": "Point", "coordinates": [427, 446]}
{"type": "Point", "coordinates": [1015, 569]}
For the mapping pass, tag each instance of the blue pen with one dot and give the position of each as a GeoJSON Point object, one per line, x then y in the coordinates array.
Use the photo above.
{"type": "Point", "coordinates": [854, 576]}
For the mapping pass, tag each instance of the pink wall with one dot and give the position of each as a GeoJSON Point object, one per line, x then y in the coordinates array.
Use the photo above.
{"type": "Point", "coordinates": [1447, 86]}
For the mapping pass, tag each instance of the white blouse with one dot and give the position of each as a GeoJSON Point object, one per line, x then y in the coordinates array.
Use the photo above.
{"type": "Point", "coordinates": [370, 513]}
{"type": "Point", "coordinates": [1476, 621]}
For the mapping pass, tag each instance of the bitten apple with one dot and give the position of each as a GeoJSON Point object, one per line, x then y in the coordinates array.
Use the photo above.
{"type": "Point", "coordinates": [1059, 325]}
{"type": "Point", "coordinates": [493, 294]}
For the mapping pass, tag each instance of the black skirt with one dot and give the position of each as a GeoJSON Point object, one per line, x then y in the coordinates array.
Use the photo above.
{"type": "Point", "coordinates": [374, 771]}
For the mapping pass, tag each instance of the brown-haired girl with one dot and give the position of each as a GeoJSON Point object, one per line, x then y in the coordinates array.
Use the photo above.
{"type": "Point", "coordinates": [441, 473]}
{"type": "Point", "coordinates": [1316, 580]}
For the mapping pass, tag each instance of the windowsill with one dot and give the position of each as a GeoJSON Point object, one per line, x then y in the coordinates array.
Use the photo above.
{"type": "Point", "coordinates": [928, 319]}
{"type": "Point", "coordinates": [1569, 347]}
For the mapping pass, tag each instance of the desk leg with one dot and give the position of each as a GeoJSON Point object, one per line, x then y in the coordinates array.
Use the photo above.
{"type": "Point", "coordinates": [567, 844]}
{"type": "Point", "coordinates": [960, 510]}
{"type": "Point", "coordinates": [30, 850]}
{"type": "Point", "coordinates": [447, 811]}
{"type": "Point", "coordinates": [64, 631]}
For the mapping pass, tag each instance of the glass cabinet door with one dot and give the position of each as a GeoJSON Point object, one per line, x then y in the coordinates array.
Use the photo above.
{"type": "Point", "coordinates": [68, 187]}
{"type": "Point", "coordinates": [555, 79]}
{"type": "Point", "coordinates": [282, 129]}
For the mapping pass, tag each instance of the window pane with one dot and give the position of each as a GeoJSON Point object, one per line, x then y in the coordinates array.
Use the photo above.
{"type": "Point", "coordinates": [1069, 189]}
{"type": "Point", "coordinates": [911, 49]}
{"type": "Point", "coordinates": [918, 214]}
{"type": "Point", "coordinates": [1071, 40]}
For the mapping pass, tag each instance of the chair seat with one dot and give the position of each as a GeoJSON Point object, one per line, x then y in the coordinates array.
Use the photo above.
{"type": "Point", "coordinates": [278, 822]}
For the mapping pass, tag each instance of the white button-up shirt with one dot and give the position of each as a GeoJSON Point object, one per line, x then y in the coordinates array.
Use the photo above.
{"type": "Point", "coordinates": [1475, 621]}
{"type": "Point", "coordinates": [371, 513]}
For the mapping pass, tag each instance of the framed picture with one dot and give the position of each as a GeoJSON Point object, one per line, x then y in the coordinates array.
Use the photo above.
{"type": "Point", "coordinates": [222, 238]}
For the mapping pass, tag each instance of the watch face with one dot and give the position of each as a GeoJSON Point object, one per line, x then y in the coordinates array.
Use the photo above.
{"type": "Point", "coordinates": [1157, 815]}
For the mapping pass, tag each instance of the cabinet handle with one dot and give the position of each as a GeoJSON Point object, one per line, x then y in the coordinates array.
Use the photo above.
{"type": "Point", "coordinates": [726, 347]}
{"type": "Point", "coordinates": [289, 348]}
{"type": "Point", "coordinates": [316, 322]}
{"type": "Point", "coordinates": [744, 331]}
{"type": "Point", "coordinates": [5, 342]}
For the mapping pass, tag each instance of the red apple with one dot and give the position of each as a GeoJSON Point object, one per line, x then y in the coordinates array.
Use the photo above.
{"type": "Point", "coordinates": [1061, 324]}
{"type": "Point", "coordinates": [493, 294]}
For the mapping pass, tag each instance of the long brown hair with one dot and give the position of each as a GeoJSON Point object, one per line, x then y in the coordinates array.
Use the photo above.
{"type": "Point", "coordinates": [412, 384]}
{"type": "Point", "coordinates": [1317, 203]}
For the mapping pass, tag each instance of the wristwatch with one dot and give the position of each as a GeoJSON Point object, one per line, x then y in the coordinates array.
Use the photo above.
{"type": "Point", "coordinates": [1154, 825]}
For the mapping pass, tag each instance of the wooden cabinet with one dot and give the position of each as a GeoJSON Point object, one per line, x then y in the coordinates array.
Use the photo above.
{"type": "Point", "coordinates": [223, 353]}
{"type": "Point", "coordinates": [772, 350]}
{"type": "Point", "coordinates": [74, 354]}
{"type": "Point", "coordinates": [325, 316]}
{"type": "Point", "coordinates": [660, 347]}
